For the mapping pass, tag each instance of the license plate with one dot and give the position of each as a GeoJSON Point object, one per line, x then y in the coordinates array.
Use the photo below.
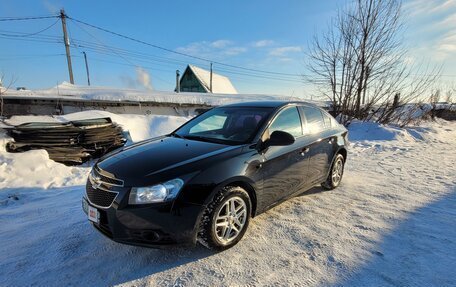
{"type": "Point", "coordinates": [93, 214]}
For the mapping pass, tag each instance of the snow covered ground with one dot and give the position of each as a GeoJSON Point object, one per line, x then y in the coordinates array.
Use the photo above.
{"type": "Point", "coordinates": [391, 223]}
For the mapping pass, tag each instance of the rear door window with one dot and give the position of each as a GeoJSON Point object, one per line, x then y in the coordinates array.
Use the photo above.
{"type": "Point", "coordinates": [314, 119]}
{"type": "Point", "coordinates": [326, 119]}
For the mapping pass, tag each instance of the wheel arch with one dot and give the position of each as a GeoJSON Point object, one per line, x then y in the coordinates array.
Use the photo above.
{"type": "Point", "coordinates": [242, 182]}
{"type": "Point", "coordinates": [343, 152]}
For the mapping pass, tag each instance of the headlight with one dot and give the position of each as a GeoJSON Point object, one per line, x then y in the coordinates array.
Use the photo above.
{"type": "Point", "coordinates": [156, 193]}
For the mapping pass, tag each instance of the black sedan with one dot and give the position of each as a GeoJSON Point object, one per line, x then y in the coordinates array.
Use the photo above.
{"type": "Point", "coordinates": [206, 180]}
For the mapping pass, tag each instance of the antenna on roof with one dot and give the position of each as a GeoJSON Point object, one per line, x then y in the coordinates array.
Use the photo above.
{"type": "Point", "coordinates": [291, 96]}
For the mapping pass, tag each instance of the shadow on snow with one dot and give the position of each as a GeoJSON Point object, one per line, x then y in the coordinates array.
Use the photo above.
{"type": "Point", "coordinates": [420, 251]}
{"type": "Point", "coordinates": [48, 241]}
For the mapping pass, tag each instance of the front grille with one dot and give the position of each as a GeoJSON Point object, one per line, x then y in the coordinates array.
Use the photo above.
{"type": "Point", "coordinates": [106, 179]}
{"type": "Point", "coordinates": [99, 197]}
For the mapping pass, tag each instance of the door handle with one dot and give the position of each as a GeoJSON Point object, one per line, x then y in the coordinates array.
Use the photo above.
{"type": "Point", "coordinates": [304, 151]}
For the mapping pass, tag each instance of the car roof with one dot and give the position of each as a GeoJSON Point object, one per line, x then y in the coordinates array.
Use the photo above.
{"type": "Point", "coordinates": [268, 104]}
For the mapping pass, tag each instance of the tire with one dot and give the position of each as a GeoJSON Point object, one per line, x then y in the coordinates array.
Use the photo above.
{"type": "Point", "coordinates": [335, 174]}
{"type": "Point", "coordinates": [220, 227]}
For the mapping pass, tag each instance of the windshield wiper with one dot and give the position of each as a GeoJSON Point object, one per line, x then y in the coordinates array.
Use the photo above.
{"type": "Point", "coordinates": [204, 139]}
{"type": "Point", "coordinates": [192, 137]}
{"type": "Point", "coordinates": [176, 135]}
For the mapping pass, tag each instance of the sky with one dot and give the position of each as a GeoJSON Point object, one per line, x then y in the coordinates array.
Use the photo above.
{"type": "Point", "coordinates": [261, 35]}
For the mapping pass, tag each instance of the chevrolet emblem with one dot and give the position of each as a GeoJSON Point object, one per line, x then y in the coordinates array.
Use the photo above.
{"type": "Point", "coordinates": [96, 182]}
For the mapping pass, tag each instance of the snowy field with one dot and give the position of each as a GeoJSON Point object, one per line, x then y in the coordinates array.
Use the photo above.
{"type": "Point", "coordinates": [392, 222]}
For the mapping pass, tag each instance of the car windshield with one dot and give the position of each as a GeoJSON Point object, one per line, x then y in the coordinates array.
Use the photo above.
{"type": "Point", "coordinates": [226, 125]}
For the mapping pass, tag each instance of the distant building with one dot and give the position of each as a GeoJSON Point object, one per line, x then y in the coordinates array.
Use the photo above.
{"type": "Point", "coordinates": [198, 80]}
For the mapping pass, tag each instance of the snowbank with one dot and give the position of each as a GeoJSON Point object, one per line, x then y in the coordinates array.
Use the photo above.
{"type": "Point", "coordinates": [370, 131]}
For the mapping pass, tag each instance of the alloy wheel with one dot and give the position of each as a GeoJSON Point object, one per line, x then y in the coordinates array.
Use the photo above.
{"type": "Point", "coordinates": [230, 220]}
{"type": "Point", "coordinates": [337, 171]}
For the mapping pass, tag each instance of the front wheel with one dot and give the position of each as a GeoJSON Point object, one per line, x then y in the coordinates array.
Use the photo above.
{"type": "Point", "coordinates": [335, 174]}
{"type": "Point", "coordinates": [225, 219]}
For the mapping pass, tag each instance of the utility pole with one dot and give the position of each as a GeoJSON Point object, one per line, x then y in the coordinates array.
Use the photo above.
{"type": "Point", "coordinates": [87, 68]}
{"type": "Point", "coordinates": [211, 79]}
{"type": "Point", "coordinates": [67, 44]}
{"type": "Point", "coordinates": [177, 82]}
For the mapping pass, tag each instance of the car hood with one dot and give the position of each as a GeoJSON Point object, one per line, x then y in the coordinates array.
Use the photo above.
{"type": "Point", "coordinates": [158, 159]}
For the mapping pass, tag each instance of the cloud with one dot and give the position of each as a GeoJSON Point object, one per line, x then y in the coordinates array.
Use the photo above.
{"type": "Point", "coordinates": [446, 47]}
{"type": "Point", "coordinates": [419, 7]}
{"type": "Point", "coordinates": [282, 51]}
{"type": "Point", "coordinates": [143, 78]}
{"type": "Point", "coordinates": [51, 7]}
{"type": "Point", "coordinates": [448, 22]}
{"type": "Point", "coordinates": [433, 29]}
{"type": "Point", "coordinates": [235, 51]}
{"type": "Point", "coordinates": [214, 49]}
{"type": "Point", "coordinates": [262, 43]}
{"type": "Point", "coordinates": [220, 44]}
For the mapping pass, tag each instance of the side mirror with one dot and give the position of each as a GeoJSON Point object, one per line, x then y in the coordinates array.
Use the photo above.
{"type": "Point", "coordinates": [280, 138]}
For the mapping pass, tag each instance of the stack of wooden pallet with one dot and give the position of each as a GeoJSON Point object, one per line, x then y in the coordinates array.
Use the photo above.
{"type": "Point", "coordinates": [70, 143]}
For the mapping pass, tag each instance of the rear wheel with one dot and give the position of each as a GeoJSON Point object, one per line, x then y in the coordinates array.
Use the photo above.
{"type": "Point", "coordinates": [225, 219]}
{"type": "Point", "coordinates": [335, 174]}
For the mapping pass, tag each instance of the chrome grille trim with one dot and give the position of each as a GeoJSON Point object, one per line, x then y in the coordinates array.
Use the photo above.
{"type": "Point", "coordinates": [105, 179]}
{"type": "Point", "coordinates": [98, 184]}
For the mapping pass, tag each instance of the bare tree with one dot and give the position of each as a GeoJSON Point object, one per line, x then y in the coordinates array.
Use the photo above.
{"type": "Point", "coordinates": [449, 97]}
{"type": "Point", "coordinates": [1, 94]}
{"type": "Point", "coordinates": [360, 65]}
{"type": "Point", "coordinates": [3, 90]}
{"type": "Point", "coordinates": [437, 104]}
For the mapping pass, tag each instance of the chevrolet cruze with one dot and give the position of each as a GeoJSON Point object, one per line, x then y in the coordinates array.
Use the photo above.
{"type": "Point", "coordinates": [207, 179]}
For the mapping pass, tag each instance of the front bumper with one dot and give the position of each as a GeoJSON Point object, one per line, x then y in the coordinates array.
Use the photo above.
{"type": "Point", "coordinates": [151, 225]}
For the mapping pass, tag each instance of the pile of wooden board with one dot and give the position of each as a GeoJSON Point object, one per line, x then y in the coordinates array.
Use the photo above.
{"type": "Point", "coordinates": [71, 142]}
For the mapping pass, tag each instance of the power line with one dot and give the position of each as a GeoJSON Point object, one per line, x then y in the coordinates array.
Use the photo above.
{"type": "Point", "coordinates": [20, 57]}
{"type": "Point", "coordinates": [32, 39]}
{"type": "Point", "coordinates": [125, 59]}
{"type": "Point", "coordinates": [144, 57]}
{"type": "Point", "coordinates": [130, 53]}
{"type": "Point", "coordinates": [168, 64]}
{"type": "Point", "coordinates": [96, 39]}
{"type": "Point", "coordinates": [125, 54]}
{"type": "Point", "coordinates": [41, 36]}
{"type": "Point", "coordinates": [20, 34]}
{"type": "Point", "coordinates": [175, 52]}
{"type": "Point", "coordinates": [122, 53]}
{"type": "Point", "coordinates": [27, 18]}
{"type": "Point", "coordinates": [128, 64]}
